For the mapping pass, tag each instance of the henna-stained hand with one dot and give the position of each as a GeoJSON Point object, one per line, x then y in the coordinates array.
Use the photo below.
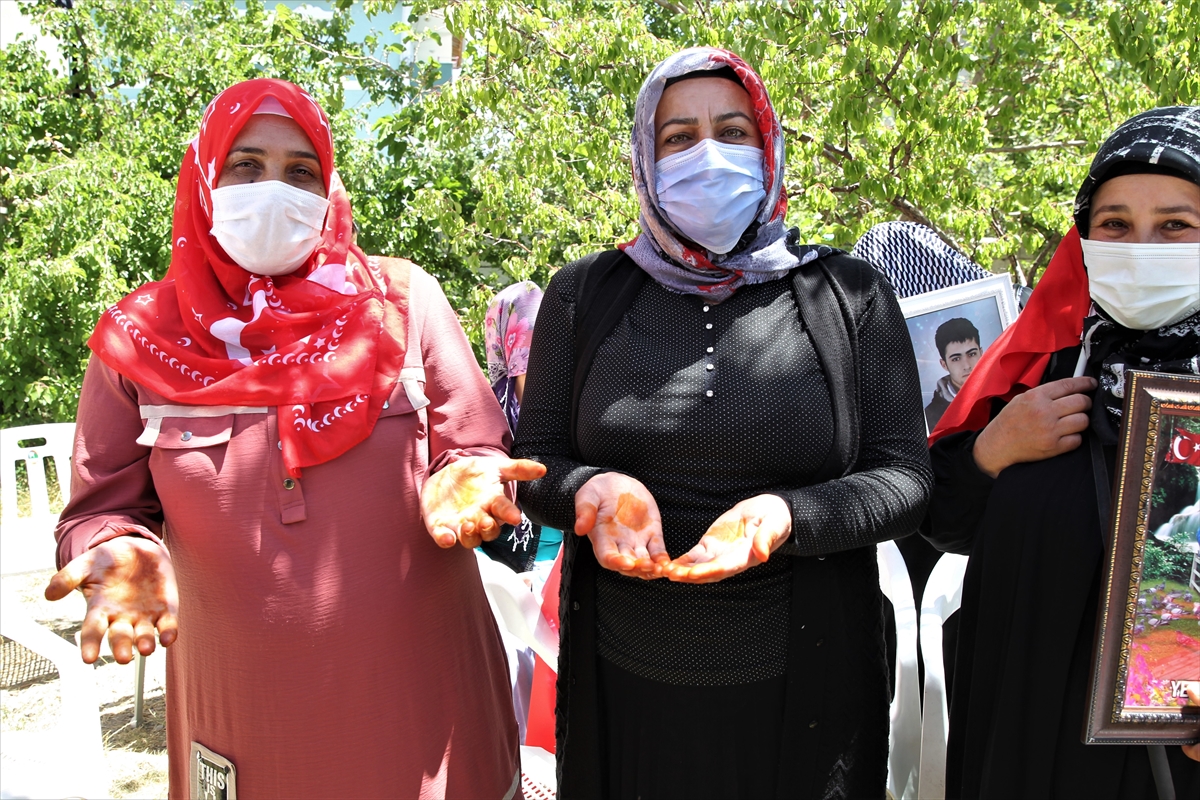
{"type": "Point", "coordinates": [620, 517]}
{"type": "Point", "coordinates": [741, 538]}
{"type": "Point", "coordinates": [130, 588]}
{"type": "Point", "coordinates": [465, 501]}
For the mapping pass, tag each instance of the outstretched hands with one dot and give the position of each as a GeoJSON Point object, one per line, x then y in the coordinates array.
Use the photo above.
{"type": "Point", "coordinates": [130, 588]}
{"type": "Point", "coordinates": [465, 502]}
{"type": "Point", "coordinates": [741, 538]}
{"type": "Point", "coordinates": [621, 518]}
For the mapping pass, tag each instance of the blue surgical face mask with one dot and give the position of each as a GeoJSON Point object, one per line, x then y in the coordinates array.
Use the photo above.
{"type": "Point", "coordinates": [711, 192]}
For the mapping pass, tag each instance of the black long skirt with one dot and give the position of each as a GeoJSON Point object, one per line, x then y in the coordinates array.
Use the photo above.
{"type": "Point", "coordinates": [661, 741]}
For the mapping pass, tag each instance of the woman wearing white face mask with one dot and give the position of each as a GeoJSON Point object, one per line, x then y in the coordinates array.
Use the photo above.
{"type": "Point", "coordinates": [730, 418]}
{"type": "Point", "coordinates": [259, 436]}
{"type": "Point", "coordinates": [1027, 446]}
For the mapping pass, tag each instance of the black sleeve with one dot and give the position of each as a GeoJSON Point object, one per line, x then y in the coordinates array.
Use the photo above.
{"type": "Point", "coordinates": [885, 497]}
{"type": "Point", "coordinates": [960, 493]}
{"type": "Point", "coordinates": [543, 430]}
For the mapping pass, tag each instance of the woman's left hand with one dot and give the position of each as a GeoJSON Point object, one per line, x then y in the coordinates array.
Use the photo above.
{"type": "Point", "coordinates": [465, 502]}
{"type": "Point", "coordinates": [741, 538]}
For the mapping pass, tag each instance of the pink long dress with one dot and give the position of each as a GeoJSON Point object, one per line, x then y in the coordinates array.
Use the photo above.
{"type": "Point", "coordinates": [327, 646]}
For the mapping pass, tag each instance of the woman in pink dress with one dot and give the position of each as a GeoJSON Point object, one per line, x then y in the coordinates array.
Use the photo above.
{"type": "Point", "coordinates": [259, 436]}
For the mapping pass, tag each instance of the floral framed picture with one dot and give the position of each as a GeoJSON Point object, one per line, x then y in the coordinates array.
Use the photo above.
{"type": "Point", "coordinates": [1147, 648]}
{"type": "Point", "coordinates": [950, 330]}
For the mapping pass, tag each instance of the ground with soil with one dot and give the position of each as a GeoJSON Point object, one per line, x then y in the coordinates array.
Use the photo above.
{"type": "Point", "coordinates": [135, 758]}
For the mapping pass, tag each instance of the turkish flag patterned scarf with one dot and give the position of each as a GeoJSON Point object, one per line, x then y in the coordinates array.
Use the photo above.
{"type": "Point", "coordinates": [324, 344]}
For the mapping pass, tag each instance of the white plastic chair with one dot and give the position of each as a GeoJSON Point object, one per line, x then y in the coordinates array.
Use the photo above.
{"type": "Point", "coordinates": [67, 761]}
{"type": "Point", "coordinates": [538, 778]}
{"type": "Point", "coordinates": [517, 612]}
{"type": "Point", "coordinates": [27, 542]}
{"type": "Point", "coordinates": [943, 596]}
{"type": "Point", "coordinates": [517, 608]}
{"type": "Point", "coordinates": [904, 738]}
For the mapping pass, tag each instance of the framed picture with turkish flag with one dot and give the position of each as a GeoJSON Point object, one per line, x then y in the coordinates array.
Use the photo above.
{"type": "Point", "coordinates": [1146, 657]}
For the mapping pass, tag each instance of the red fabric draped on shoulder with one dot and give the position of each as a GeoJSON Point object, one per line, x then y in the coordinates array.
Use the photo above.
{"type": "Point", "coordinates": [1016, 361]}
{"type": "Point", "coordinates": [324, 344]}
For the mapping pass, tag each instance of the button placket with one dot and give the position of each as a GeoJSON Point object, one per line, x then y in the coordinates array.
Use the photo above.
{"type": "Point", "coordinates": [709, 341]}
{"type": "Point", "coordinates": [288, 491]}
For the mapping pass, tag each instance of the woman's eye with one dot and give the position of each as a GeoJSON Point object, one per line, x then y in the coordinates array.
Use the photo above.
{"type": "Point", "coordinates": [1177, 225]}
{"type": "Point", "coordinates": [677, 138]}
{"type": "Point", "coordinates": [733, 133]}
{"type": "Point", "coordinates": [1113, 224]}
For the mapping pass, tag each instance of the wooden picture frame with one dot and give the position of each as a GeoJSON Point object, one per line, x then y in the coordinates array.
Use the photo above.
{"type": "Point", "coordinates": [1147, 645]}
{"type": "Point", "coordinates": [988, 303]}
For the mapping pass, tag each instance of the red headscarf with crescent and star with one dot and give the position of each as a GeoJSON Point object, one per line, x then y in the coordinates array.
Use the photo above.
{"type": "Point", "coordinates": [324, 344]}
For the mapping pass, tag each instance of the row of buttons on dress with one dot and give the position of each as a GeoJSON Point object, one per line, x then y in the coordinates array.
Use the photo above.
{"type": "Point", "coordinates": [710, 339]}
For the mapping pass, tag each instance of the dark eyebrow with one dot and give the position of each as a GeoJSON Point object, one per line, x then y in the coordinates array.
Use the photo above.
{"type": "Point", "coordinates": [1169, 210]}
{"type": "Point", "coordinates": [679, 121]}
{"type": "Point", "coordinates": [257, 151]}
{"type": "Point", "coordinates": [731, 115]}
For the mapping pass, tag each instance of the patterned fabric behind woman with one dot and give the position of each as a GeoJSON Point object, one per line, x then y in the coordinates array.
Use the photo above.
{"type": "Point", "coordinates": [507, 332]}
{"type": "Point", "coordinates": [661, 250]}
{"type": "Point", "coordinates": [914, 259]}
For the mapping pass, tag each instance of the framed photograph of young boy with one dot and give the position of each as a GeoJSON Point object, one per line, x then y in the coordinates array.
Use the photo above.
{"type": "Point", "coordinates": [1146, 661]}
{"type": "Point", "coordinates": [950, 330]}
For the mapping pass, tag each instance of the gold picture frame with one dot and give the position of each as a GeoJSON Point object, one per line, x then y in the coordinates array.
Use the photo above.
{"type": "Point", "coordinates": [1147, 645]}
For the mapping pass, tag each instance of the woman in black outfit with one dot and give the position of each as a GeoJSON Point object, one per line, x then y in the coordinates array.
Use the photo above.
{"type": "Point", "coordinates": [733, 421]}
{"type": "Point", "coordinates": [1027, 448]}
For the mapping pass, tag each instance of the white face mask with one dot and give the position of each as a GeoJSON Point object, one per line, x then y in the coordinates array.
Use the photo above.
{"type": "Point", "coordinates": [268, 228]}
{"type": "Point", "coordinates": [711, 192]}
{"type": "Point", "coordinates": [1144, 286]}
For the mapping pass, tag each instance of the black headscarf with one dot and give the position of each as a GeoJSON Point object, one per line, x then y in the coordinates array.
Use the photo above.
{"type": "Point", "coordinates": [1164, 141]}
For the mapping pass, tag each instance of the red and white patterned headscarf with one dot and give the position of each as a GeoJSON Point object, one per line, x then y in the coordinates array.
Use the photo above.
{"type": "Point", "coordinates": [324, 344]}
{"type": "Point", "coordinates": [661, 249]}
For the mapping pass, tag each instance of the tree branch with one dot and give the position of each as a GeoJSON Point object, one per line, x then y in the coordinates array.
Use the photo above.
{"type": "Point", "coordinates": [1091, 69]}
{"type": "Point", "coordinates": [1043, 255]}
{"type": "Point", "coordinates": [914, 214]}
{"type": "Point", "coordinates": [678, 9]}
{"type": "Point", "coordinates": [994, 219]}
{"type": "Point", "coordinates": [1026, 148]}
{"type": "Point", "coordinates": [831, 151]}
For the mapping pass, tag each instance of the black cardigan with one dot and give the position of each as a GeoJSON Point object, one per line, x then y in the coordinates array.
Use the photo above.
{"type": "Point", "coordinates": [1028, 618]}
{"type": "Point", "coordinates": [836, 720]}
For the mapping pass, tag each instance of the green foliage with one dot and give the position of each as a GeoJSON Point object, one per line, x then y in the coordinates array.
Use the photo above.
{"type": "Point", "coordinates": [977, 118]}
{"type": "Point", "coordinates": [1170, 559]}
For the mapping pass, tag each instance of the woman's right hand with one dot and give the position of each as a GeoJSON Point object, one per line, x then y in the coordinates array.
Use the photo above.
{"type": "Point", "coordinates": [621, 518]}
{"type": "Point", "coordinates": [130, 588]}
{"type": "Point", "coordinates": [1041, 423]}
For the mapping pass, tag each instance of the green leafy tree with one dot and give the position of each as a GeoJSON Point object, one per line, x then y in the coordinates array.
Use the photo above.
{"type": "Point", "coordinates": [977, 118]}
{"type": "Point", "coordinates": [89, 156]}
